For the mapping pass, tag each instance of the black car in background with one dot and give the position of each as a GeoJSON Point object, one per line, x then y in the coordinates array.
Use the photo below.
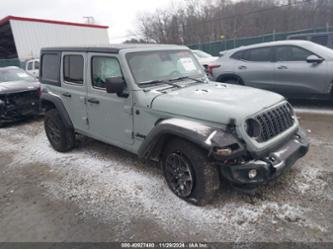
{"type": "Point", "coordinates": [19, 95]}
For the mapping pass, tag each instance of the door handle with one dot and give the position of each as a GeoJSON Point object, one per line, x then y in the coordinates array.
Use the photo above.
{"type": "Point", "coordinates": [242, 67]}
{"type": "Point", "coordinates": [67, 95]}
{"type": "Point", "coordinates": [93, 101]}
{"type": "Point", "coordinates": [282, 67]}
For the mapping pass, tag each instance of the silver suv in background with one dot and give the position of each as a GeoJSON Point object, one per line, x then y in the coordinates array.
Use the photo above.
{"type": "Point", "coordinates": [296, 69]}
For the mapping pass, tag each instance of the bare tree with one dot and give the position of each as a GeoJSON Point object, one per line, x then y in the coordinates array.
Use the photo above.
{"type": "Point", "coordinates": [212, 20]}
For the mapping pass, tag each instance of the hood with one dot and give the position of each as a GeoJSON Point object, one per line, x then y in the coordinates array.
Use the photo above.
{"type": "Point", "coordinates": [216, 102]}
{"type": "Point", "coordinates": [18, 86]}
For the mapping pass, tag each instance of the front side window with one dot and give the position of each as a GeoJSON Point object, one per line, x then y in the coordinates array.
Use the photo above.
{"type": "Point", "coordinates": [163, 65]}
{"type": "Point", "coordinates": [103, 68]}
{"type": "Point", "coordinates": [73, 68]}
{"type": "Point", "coordinates": [291, 53]}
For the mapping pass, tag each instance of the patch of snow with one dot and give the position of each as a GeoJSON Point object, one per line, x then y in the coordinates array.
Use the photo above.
{"type": "Point", "coordinates": [309, 182]}
{"type": "Point", "coordinates": [123, 190]}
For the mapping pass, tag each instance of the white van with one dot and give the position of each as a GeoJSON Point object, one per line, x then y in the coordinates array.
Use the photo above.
{"type": "Point", "coordinates": [32, 67]}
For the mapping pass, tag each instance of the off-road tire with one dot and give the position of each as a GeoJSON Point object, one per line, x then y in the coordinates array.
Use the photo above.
{"type": "Point", "coordinates": [61, 138]}
{"type": "Point", "coordinates": [206, 180]}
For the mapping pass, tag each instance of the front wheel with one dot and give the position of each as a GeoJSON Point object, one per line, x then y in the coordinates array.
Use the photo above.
{"type": "Point", "coordinates": [188, 172]}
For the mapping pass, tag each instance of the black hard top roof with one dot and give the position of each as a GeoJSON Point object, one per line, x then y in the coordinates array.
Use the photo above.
{"type": "Point", "coordinates": [113, 48]}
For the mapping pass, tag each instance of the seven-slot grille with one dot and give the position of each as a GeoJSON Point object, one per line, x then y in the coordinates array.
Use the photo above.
{"type": "Point", "coordinates": [275, 121]}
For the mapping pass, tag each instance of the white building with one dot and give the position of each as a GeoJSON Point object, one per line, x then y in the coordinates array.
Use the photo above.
{"type": "Point", "coordinates": [22, 38]}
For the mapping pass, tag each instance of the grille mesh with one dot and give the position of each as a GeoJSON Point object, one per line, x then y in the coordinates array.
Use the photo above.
{"type": "Point", "coordinates": [274, 121]}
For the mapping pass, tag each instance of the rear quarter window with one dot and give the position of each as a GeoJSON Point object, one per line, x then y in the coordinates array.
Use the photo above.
{"type": "Point", "coordinates": [50, 69]}
{"type": "Point", "coordinates": [237, 56]}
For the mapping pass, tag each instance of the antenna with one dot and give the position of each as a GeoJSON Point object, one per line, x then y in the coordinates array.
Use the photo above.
{"type": "Point", "coordinates": [89, 19]}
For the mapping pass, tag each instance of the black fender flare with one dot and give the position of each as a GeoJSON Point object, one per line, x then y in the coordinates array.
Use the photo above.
{"type": "Point", "coordinates": [204, 136]}
{"type": "Point", "coordinates": [229, 75]}
{"type": "Point", "coordinates": [57, 102]}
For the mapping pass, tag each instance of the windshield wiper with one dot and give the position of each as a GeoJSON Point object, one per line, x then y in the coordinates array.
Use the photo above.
{"type": "Point", "coordinates": [188, 78]}
{"type": "Point", "coordinates": [158, 82]}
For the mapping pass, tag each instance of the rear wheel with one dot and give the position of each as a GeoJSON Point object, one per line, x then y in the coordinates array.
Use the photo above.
{"type": "Point", "coordinates": [61, 138]}
{"type": "Point", "coordinates": [188, 172]}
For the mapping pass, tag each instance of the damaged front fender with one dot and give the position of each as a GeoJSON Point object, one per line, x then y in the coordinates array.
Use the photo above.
{"type": "Point", "coordinates": [209, 138]}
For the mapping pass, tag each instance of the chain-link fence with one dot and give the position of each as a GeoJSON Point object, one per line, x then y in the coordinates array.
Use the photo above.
{"type": "Point", "coordinates": [216, 46]}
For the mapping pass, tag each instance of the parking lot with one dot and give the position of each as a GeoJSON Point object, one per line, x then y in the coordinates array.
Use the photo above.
{"type": "Point", "coordinates": [100, 193]}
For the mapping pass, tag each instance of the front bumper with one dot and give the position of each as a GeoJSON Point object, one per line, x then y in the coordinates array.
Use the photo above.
{"type": "Point", "coordinates": [11, 112]}
{"type": "Point", "coordinates": [270, 166]}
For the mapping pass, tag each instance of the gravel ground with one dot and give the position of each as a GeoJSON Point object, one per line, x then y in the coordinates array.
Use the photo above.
{"type": "Point", "coordinates": [100, 193]}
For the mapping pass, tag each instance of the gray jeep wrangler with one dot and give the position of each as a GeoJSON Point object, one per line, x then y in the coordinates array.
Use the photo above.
{"type": "Point", "coordinates": [156, 101]}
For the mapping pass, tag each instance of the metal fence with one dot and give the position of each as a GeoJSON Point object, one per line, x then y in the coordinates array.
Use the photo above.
{"type": "Point", "coordinates": [216, 46]}
{"type": "Point", "coordinates": [10, 62]}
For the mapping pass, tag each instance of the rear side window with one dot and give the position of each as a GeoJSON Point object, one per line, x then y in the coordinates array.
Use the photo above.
{"type": "Point", "coordinates": [103, 68]}
{"type": "Point", "coordinates": [291, 53]}
{"type": "Point", "coordinates": [73, 68]}
{"type": "Point", "coordinates": [258, 54]}
{"type": "Point", "coordinates": [50, 69]}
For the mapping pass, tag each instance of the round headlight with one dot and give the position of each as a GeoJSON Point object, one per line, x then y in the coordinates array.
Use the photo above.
{"type": "Point", "coordinates": [252, 128]}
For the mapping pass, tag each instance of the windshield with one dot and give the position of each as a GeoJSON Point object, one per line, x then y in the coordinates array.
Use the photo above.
{"type": "Point", "coordinates": [202, 54]}
{"type": "Point", "coordinates": [163, 65]}
{"type": "Point", "coordinates": [14, 74]}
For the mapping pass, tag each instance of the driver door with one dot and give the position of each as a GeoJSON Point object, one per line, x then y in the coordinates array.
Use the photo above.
{"type": "Point", "coordinates": [294, 75]}
{"type": "Point", "coordinates": [110, 117]}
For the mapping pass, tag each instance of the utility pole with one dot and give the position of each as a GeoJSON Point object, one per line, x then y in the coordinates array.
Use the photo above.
{"type": "Point", "coordinates": [89, 19]}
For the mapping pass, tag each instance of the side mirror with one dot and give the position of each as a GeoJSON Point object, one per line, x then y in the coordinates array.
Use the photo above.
{"type": "Point", "coordinates": [115, 85]}
{"type": "Point", "coordinates": [314, 59]}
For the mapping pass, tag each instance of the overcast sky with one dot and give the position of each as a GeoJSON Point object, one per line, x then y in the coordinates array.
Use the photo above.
{"type": "Point", "coordinates": [120, 15]}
